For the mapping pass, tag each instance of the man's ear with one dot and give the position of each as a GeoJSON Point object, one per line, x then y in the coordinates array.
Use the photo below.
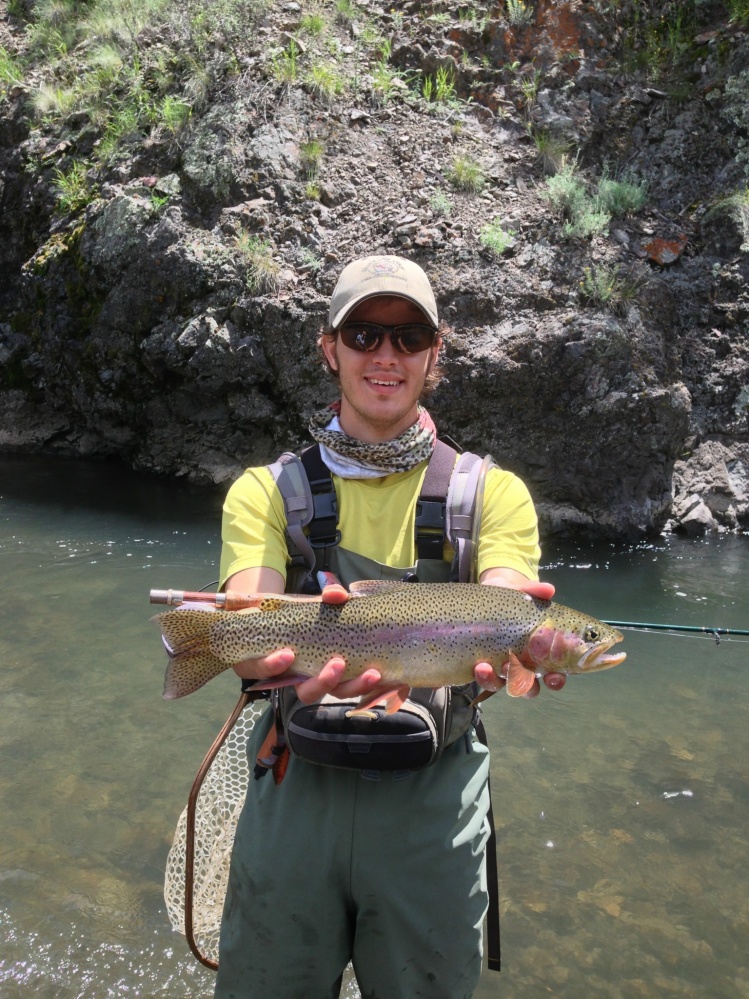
{"type": "Point", "coordinates": [328, 345]}
{"type": "Point", "coordinates": [435, 354]}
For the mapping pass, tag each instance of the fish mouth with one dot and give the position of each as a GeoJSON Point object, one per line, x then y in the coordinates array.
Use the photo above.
{"type": "Point", "coordinates": [598, 658]}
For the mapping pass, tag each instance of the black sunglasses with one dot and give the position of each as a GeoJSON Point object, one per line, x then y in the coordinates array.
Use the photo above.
{"type": "Point", "coordinates": [411, 338]}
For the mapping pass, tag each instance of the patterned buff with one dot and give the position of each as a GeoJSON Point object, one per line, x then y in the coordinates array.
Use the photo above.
{"type": "Point", "coordinates": [351, 458]}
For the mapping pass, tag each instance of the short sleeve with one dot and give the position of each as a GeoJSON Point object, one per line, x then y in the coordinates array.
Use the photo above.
{"type": "Point", "coordinates": [509, 526]}
{"type": "Point", "coordinates": [253, 529]}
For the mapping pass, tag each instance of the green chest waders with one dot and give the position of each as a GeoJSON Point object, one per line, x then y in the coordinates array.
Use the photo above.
{"type": "Point", "coordinates": [449, 506]}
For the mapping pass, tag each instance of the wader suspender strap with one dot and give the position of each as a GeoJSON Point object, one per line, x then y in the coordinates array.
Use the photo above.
{"type": "Point", "coordinates": [293, 484]}
{"type": "Point", "coordinates": [431, 521]}
{"type": "Point", "coordinates": [323, 528]}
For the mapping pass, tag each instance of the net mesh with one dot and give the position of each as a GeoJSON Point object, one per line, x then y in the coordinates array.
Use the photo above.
{"type": "Point", "coordinates": [218, 805]}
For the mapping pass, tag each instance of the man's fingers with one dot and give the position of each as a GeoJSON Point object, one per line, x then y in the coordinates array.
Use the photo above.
{"type": "Point", "coordinates": [555, 681]}
{"type": "Point", "coordinates": [543, 591]}
{"type": "Point", "coordinates": [271, 665]}
{"type": "Point", "coordinates": [361, 685]}
{"type": "Point", "coordinates": [487, 678]}
{"type": "Point", "coordinates": [335, 594]}
{"type": "Point", "coordinates": [326, 680]}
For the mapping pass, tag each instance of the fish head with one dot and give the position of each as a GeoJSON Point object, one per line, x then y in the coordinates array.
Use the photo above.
{"type": "Point", "coordinates": [569, 642]}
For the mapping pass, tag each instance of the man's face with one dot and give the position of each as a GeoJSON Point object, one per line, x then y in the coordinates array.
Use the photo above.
{"type": "Point", "coordinates": [380, 389]}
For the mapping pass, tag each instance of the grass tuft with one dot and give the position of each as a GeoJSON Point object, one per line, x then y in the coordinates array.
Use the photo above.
{"type": "Point", "coordinates": [256, 256]}
{"type": "Point", "coordinates": [466, 174]}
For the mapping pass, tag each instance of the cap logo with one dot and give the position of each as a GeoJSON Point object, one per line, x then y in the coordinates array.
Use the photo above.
{"type": "Point", "coordinates": [378, 267]}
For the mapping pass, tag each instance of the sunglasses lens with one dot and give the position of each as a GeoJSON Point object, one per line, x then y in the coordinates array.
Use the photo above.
{"type": "Point", "coordinates": [362, 336]}
{"type": "Point", "coordinates": [413, 339]}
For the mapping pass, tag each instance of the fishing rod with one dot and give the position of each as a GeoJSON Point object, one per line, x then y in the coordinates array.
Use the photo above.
{"type": "Point", "coordinates": [231, 600]}
{"type": "Point", "coordinates": [689, 628]}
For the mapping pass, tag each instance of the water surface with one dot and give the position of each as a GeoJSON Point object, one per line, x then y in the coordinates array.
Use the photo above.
{"type": "Point", "coordinates": [622, 803]}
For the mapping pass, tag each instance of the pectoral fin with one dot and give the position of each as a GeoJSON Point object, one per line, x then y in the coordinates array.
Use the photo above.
{"type": "Point", "coordinates": [520, 678]}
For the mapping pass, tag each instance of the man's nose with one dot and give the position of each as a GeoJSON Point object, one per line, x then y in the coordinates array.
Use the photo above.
{"type": "Point", "coordinates": [386, 353]}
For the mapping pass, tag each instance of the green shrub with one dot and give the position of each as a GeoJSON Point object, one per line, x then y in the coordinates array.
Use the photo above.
{"type": "Point", "coordinates": [72, 189]}
{"type": "Point", "coordinates": [621, 197]}
{"type": "Point", "coordinates": [440, 203]}
{"type": "Point", "coordinates": [174, 114]}
{"type": "Point", "coordinates": [312, 190]}
{"type": "Point", "coordinates": [519, 13]}
{"type": "Point", "coordinates": [346, 11]}
{"type": "Point", "coordinates": [285, 67]}
{"type": "Point", "coordinates": [311, 154]}
{"type": "Point", "coordinates": [309, 259]}
{"type": "Point", "coordinates": [737, 206]}
{"type": "Point", "coordinates": [51, 101]}
{"type": "Point", "coordinates": [466, 174]}
{"type": "Point", "coordinates": [440, 87]}
{"type": "Point", "coordinates": [567, 194]}
{"type": "Point", "coordinates": [552, 150]}
{"type": "Point", "coordinates": [10, 71]}
{"type": "Point", "coordinates": [386, 81]}
{"type": "Point", "coordinates": [495, 238]}
{"type": "Point", "coordinates": [325, 82]}
{"type": "Point", "coordinates": [739, 10]}
{"type": "Point", "coordinates": [610, 287]}
{"type": "Point", "coordinates": [588, 222]}
{"type": "Point", "coordinates": [312, 24]}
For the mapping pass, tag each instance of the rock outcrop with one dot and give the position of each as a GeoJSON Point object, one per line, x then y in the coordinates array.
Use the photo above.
{"type": "Point", "coordinates": [171, 316]}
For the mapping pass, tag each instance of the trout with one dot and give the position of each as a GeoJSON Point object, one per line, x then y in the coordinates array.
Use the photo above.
{"type": "Point", "coordinates": [415, 634]}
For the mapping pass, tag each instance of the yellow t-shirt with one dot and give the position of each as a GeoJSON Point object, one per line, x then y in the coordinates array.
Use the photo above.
{"type": "Point", "coordinates": [376, 519]}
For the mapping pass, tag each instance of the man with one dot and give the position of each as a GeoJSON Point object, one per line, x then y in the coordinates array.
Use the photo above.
{"type": "Point", "coordinates": [383, 869]}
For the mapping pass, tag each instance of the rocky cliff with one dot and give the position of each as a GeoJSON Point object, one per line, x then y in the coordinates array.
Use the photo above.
{"type": "Point", "coordinates": [179, 193]}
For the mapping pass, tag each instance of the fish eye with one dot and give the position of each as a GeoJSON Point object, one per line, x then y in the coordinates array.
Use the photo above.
{"type": "Point", "coordinates": [592, 634]}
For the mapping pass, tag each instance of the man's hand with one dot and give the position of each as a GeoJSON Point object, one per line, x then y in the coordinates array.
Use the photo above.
{"type": "Point", "coordinates": [328, 680]}
{"type": "Point", "coordinates": [486, 677]}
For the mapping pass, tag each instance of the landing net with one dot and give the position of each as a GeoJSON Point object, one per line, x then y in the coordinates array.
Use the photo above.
{"type": "Point", "coordinates": [218, 805]}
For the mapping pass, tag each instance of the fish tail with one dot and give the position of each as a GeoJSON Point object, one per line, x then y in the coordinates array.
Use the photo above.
{"type": "Point", "coordinates": [191, 662]}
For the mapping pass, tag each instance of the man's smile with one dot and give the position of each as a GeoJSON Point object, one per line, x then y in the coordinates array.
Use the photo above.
{"type": "Point", "coordinates": [386, 382]}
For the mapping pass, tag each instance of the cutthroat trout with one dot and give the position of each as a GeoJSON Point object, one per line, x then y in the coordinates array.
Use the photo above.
{"type": "Point", "coordinates": [415, 634]}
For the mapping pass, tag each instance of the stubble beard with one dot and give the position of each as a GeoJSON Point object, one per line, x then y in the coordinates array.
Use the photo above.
{"type": "Point", "coordinates": [388, 424]}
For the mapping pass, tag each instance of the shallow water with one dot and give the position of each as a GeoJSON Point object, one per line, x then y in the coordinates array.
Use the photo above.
{"type": "Point", "coordinates": [622, 803]}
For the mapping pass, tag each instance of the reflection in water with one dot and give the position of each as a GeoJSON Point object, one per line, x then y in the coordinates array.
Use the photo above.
{"type": "Point", "coordinates": [622, 803]}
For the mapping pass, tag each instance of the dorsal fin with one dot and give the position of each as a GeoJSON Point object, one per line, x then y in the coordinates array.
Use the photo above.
{"type": "Point", "coordinates": [266, 602]}
{"type": "Point", "coordinates": [373, 587]}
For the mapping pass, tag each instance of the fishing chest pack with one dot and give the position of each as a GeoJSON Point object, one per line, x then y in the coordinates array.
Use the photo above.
{"type": "Point", "coordinates": [430, 720]}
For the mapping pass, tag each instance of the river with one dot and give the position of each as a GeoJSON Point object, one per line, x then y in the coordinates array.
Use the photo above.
{"type": "Point", "coordinates": [622, 802]}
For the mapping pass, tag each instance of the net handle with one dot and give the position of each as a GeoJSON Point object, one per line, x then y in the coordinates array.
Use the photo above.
{"type": "Point", "coordinates": [192, 803]}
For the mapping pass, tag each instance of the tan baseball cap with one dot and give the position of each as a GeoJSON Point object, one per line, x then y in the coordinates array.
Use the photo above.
{"type": "Point", "coordinates": [372, 276]}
